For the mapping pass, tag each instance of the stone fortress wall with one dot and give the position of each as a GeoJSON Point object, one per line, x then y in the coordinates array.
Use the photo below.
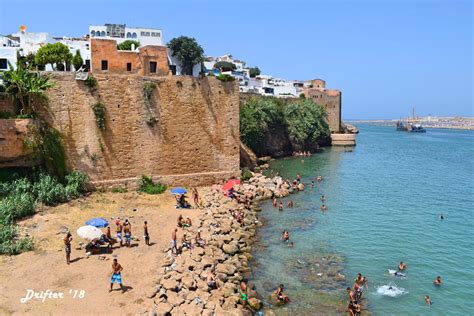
{"type": "Point", "coordinates": [186, 133]}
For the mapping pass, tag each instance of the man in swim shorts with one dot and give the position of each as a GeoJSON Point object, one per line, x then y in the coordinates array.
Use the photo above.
{"type": "Point", "coordinates": [280, 296]}
{"type": "Point", "coordinates": [402, 266]}
{"type": "Point", "coordinates": [119, 232]}
{"type": "Point", "coordinates": [145, 234]}
{"type": "Point", "coordinates": [127, 230]}
{"type": "Point", "coordinates": [116, 275]}
{"type": "Point", "coordinates": [437, 281]}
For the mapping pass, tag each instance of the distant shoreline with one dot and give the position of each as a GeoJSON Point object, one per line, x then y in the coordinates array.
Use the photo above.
{"type": "Point", "coordinates": [392, 123]}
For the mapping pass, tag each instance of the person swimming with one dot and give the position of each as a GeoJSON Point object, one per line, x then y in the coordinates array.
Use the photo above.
{"type": "Point", "coordinates": [437, 281]}
{"type": "Point", "coordinates": [402, 266]}
{"type": "Point", "coordinates": [428, 300]}
{"type": "Point", "coordinates": [441, 216]}
{"type": "Point", "coordinates": [324, 207]}
{"type": "Point", "coordinates": [285, 236]}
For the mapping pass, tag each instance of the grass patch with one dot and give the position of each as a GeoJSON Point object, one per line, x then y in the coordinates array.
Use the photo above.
{"type": "Point", "coordinates": [246, 174]}
{"type": "Point", "coordinates": [119, 190]}
{"type": "Point", "coordinates": [18, 199]}
{"type": "Point", "coordinates": [146, 185]}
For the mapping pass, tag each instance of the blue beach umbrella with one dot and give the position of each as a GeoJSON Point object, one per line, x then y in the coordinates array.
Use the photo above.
{"type": "Point", "coordinates": [178, 191]}
{"type": "Point", "coordinates": [97, 222]}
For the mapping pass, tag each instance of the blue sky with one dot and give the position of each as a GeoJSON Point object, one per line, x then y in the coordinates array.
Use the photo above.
{"type": "Point", "coordinates": [385, 56]}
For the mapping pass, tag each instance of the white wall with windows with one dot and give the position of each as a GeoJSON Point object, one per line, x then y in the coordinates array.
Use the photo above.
{"type": "Point", "coordinates": [145, 36]}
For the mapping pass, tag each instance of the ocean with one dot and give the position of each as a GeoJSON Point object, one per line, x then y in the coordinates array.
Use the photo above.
{"type": "Point", "coordinates": [384, 200]}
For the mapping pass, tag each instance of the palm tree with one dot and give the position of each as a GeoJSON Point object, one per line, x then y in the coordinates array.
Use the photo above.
{"type": "Point", "coordinates": [26, 86]}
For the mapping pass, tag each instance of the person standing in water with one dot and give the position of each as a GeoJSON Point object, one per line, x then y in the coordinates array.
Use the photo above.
{"type": "Point", "coordinates": [275, 202]}
{"type": "Point", "coordinates": [280, 296]}
{"type": "Point", "coordinates": [402, 266]}
{"type": "Point", "coordinates": [437, 281]}
{"type": "Point", "coordinates": [428, 300]}
{"type": "Point", "coordinates": [280, 208]}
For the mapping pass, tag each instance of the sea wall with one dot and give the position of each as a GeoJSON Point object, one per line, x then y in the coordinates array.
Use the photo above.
{"type": "Point", "coordinates": [185, 132]}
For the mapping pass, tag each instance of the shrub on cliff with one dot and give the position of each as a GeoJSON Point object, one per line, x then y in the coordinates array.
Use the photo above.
{"type": "Point", "coordinates": [254, 72]}
{"type": "Point", "coordinates": [225, 77]}
{"type": "Point", "coordinates": [306, 122]}
{"type": "Point", "coordinates": [256, 117]}
{"type": "Point", "coordinates": [99, 113]}
{"type": "Point", "coordinates": [147, 185]}
{"type": "Point", "coordinates": [25, 86]}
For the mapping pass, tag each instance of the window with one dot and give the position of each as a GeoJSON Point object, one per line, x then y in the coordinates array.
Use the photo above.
{"type": "Point", "coordinates": [153, 67]}
{"type": "Point", "coordinates": [88, 64]}
{"type": "Point", "coordinates": [92, 33]}
{"type": "Point", "coordinates": [105, 65]}
{"type": "Point", "coordinates": [129, 66]}
{"type": "Point", "coordinates": [102, 34]}
{"type": "Point", "coordinates": [155, 34]}
{"type": "Point", "coordinates": [134, 35]}
{"type": "Point", "coordinates": [129, 35]}
{"type": "Point", "coordinates": [3, 63]}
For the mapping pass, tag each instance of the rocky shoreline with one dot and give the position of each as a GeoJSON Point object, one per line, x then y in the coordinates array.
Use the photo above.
{"type": "Point", "coordinates": [181, 287]}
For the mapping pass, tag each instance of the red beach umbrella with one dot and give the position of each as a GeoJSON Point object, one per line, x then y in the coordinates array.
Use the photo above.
{"type": "Point", "coordinates": [229, 184]}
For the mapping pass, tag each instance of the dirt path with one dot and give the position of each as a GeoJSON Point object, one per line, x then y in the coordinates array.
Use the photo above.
{"type": "Point", "coordinates": [45, 267]}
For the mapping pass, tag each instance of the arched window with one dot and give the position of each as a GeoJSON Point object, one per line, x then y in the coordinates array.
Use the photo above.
{"type": "Point", "coordinates": [102, 34]}
{"type": "Point", "coordinates": [129, 35]}
{"type": "Point", "coordinates": [92, 33]}
{"type": "Point", "coordinates": [134, 35]}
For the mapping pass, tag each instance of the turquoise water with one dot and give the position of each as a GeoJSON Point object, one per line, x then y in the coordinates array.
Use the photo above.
{"type": "Point", "coordinates": [384, 199]}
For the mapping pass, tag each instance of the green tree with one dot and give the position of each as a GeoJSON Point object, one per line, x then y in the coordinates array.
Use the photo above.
{"type": "Point", "coordinates": [257, 116]}
{"type": "Point", "coordinates": [25, 86]}
{"type": "Point", "coordinates": [56, 54]}
{"type": "Point", "coordinates": [254, 72]}
{"type": "Point", "coordinates": [127, 45]}
{"type": "Point", "coordinates": [77, 60]}
{"type": "Point", "coordinates": [225, 66]}
{"type": "Point", "coordinates": [306, 122]}
{"type": "Point", "coordinates": [187, 51]}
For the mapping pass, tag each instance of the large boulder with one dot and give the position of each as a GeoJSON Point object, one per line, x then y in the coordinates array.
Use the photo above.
{"type": "Point", "coordinates": [231, 248]}
{"type": "Point", "coordinates": [163, 308]}
{"type": "Point", "coordinates": [225, 268]}
{"type": "Point", "coordinates": [255, 303]}
{"type": "Point", "coordinates": [247, 157]}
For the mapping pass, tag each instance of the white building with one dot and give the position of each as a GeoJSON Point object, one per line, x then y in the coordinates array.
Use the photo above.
{"type": "Point", "coordinates": [121, 33]}
{"type": "Point", "coordinates": [8, 50]}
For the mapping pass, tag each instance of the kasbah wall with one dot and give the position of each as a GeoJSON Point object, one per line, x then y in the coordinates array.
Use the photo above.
{"type": "Point", "coordinates": [194, 141]}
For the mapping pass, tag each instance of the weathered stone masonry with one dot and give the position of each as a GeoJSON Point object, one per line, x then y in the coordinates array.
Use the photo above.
{"type": "Point", "coordinates": [195, 139]}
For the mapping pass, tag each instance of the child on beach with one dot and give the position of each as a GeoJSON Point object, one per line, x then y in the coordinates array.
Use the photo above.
{"type": "Point", "coordinates": [145, 234]}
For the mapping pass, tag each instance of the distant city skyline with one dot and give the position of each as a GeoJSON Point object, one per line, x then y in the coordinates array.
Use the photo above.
{"type": "Point", "coordinates": [386, 57]}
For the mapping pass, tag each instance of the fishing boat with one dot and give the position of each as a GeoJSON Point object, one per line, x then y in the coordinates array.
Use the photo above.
{"type": "Point", "coordinates": [412, 125]}
{"type": "Point", "coordinates": [401, 127]}
{"type": "Point", "coordinates": [417, 128]}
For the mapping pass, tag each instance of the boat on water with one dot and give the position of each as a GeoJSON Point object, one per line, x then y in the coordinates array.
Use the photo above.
{"type": "Point", "coordinates": [417, 128]}
{"type": "Point", "coordinates": [401, 127]}
{"type": "Point", "coordinates": [412, 125]}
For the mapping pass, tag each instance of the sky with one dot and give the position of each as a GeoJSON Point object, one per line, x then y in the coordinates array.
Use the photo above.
{"type": "Point", "coordinates": [385, 56]}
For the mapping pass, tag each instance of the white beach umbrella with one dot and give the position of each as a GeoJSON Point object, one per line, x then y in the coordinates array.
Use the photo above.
{"type": "Point", "coordinates": [89, 232]}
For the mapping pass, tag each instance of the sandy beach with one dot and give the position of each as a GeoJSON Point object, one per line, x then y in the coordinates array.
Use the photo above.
{"type": "Point", "coordinates": [45, 267]}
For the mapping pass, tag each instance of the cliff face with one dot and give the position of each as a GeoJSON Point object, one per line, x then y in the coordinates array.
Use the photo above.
{"type": "Point", "coordinates": [13, 133]}
{"type": "Point", "coordinates": [186, 132]}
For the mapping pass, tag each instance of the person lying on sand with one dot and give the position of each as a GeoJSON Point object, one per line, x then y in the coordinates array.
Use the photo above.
{"type": "Point", "coordinates": [116, 275]}
{"type": "Point", "coordinates": [280, 296]}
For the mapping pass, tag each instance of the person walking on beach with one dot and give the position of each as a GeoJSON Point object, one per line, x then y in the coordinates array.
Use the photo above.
{"type": "Point", "coordinates": [119, 232]}
{"type": "Point", "coordinates": [437, 281]}
{"type": "Point", "coordinates": [145, 234]}
{"type": "Point", "coordinates": [67, 247]}
{"type": "Point", "coordinates": [195, 194]}
{"type": "Point", "coordinates": [127, 230]}
{"type": "Point", "coordinates": [116, 275]}
{"type": "Point", "coordinates": [174, 248]}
